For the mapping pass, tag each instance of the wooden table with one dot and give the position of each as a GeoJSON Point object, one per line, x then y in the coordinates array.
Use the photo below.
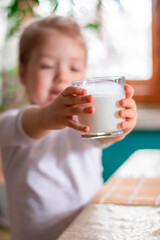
{"type": "Point", "coordinates": [128, 205]}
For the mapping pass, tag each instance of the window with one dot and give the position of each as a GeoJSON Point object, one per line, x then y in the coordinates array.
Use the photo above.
{"type": "Point", "coordinates": [126, 43]}
{"type": "Point", "coordinates": [148, 91]}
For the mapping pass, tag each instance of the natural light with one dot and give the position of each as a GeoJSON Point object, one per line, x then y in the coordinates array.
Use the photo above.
{"type": "Point", "coordinates": [122, 46]}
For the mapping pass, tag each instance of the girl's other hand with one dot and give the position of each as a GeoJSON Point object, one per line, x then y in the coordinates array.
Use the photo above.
{"type": "Point", "coordinates": [130, 110]}
{"type": "Point", "coordinates": [72, 101]}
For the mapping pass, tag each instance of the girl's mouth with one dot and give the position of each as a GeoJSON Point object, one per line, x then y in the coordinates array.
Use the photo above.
{"type": "Point", "coordinates": [54, 93]}
{"type": "Point", "coordinates": [52, 97]}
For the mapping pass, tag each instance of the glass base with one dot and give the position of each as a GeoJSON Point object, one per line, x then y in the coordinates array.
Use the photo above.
{"type": "Point", "coordinates": [102, 135]}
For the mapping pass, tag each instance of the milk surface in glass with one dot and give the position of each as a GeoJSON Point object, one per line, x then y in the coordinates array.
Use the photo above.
{"type": "Point", "coordinates": [105, 122]}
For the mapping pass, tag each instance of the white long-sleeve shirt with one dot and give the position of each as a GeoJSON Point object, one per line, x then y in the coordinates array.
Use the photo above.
{"type": "Point", "coordinates": [48, 180]}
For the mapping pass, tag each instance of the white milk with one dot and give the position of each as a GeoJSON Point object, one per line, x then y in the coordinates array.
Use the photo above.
{"type": "Point", "coordinates": [106, 98]}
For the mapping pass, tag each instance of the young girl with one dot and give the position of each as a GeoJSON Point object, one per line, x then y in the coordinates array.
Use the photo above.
{"type": "Point", "coordinates": [50, 172]}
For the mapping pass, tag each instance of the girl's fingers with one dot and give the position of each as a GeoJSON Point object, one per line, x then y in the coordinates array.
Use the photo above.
{"type": "Point", "coordinates": [72, 100]}
{"type": "Point", "coordinates": [128, 103]}
{"type": "Point", "coordinates": [77, 126]}
{"type": "Point", "coordinates": [127, 113]}
{"type": "Point", "coordinates": [71, 90]}
{"type": "Point", "coordinates": [128, 125]}
{"type": "Point", "coordinates": [77, 110]}
{"type": "Point", "coordinates": [129, 91]}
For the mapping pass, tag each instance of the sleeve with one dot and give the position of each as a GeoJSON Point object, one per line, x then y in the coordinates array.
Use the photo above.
{"type": "Point", "coordinates": [11, 131]}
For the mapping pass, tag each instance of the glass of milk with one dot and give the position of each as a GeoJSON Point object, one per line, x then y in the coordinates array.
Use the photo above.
{"type": "Point", "coordinates": [107, 92]}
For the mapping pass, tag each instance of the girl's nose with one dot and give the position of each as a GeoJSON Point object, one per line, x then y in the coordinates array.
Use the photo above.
{"type": "Point", "coordinates": [62, 75]}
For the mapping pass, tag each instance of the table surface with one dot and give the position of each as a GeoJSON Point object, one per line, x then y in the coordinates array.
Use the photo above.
{"type": "Point", "coordinates": [137, 182]}
{"type": "Point", "coordinates": [128, 205]}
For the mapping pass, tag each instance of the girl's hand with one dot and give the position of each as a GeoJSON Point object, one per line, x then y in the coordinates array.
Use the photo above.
{"type": "Point", "coordinates": [130, 111]}
{"type": "Point", "coordinates": [72, 101]}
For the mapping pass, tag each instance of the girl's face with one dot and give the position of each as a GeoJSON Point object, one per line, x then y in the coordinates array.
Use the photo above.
{"type": "Point", "coordinates": [52, 67]}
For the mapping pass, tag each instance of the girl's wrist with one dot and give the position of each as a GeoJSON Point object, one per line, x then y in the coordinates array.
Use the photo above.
{"type": "Point", "coordinates": [42, 119]}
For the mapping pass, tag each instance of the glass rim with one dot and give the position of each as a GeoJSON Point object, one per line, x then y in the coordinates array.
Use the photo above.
{"type": "Point", "coordinates": [119, 79]}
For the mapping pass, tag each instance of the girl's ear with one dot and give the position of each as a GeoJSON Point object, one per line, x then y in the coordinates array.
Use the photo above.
{"type": "Point", "coordinates": [21, 71]}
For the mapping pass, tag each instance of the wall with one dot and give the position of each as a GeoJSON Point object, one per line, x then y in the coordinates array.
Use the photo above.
{"type": "Point", "coordinates": [116, 154]}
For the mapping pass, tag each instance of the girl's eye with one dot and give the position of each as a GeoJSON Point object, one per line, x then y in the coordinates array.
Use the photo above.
{"type": "Point", "coordinates": [74, 69]}
{"type": "Point", "coordinates": [47, 66]}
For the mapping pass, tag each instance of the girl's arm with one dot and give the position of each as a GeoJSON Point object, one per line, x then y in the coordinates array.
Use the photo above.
{"type": "Point", "coordinates": [37, 122]}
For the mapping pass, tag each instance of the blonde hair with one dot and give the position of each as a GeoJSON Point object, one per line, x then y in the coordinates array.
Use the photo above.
{"type": "Point", "coordinates": [35, 33]}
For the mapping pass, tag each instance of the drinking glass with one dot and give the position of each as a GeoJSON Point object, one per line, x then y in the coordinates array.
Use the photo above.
{"type": "Point", "coordinates": [107, 92]}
